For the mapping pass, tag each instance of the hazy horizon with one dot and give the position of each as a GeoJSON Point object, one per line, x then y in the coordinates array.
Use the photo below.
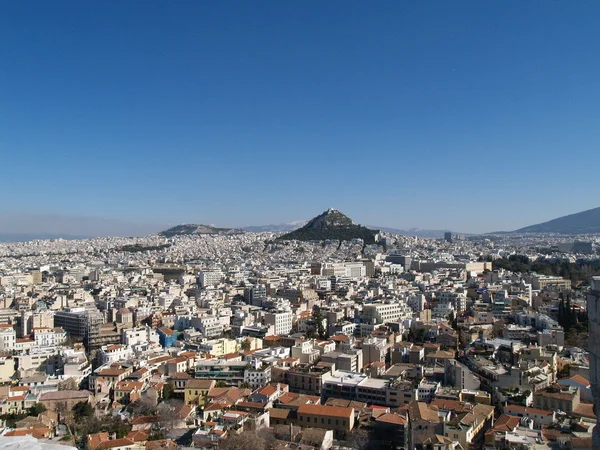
{"type": "Point", "coordinates": [91, 226]}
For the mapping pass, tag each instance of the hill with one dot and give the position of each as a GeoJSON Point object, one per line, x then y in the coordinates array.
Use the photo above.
{"type": "Point", "coordinates": [579, 223]}
{"type": "Point", "coordinates": [332, 224]}
{"type": "Point", "coordinates": [190, 229]}
{"type": "Point", "coordinates": [275, 228]}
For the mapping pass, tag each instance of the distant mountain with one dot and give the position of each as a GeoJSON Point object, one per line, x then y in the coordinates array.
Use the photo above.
{"type": "Point", "coordinates": [190, 229]}
{"type": "Point", "coordinates": [25, 237]}
{"type": "Point", "coordinates": [412, 232]}
{"type": "Point", "coordinates": [332, 224]}
{"type": "Point", "coordinates": [275, 228]}
{"type": "Point", "coordinates": [579, 223]}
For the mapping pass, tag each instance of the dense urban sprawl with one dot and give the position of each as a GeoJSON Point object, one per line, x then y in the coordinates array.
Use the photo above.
{"type": "Point", "coordinates": [248, 341]}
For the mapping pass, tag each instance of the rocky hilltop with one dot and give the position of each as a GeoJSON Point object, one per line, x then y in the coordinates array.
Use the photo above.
{"type": "Point", "coordinates": [331, 225]}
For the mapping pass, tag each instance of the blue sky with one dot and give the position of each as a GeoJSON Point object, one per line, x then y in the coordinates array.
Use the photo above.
{"type": "Point", "coordinates": [471, 116]}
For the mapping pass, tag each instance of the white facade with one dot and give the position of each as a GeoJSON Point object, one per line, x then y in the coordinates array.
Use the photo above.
{"type": "Point", "coordinates": [8, 338]}
{"type": "Point", "coordinates": [209, 277]}
{"type": "Point", "coordinates": [209, 326]}
{"type": "Point", "coordinates": [282, 321]}
{"type": "Point", "coordinates": [135, 336]}
{"type": "Point", "coordinates": [109, 354]}
{"type": "Point", "coordinates": [385, 312]}
{"type": "Point", "coordinates": [49, 337]}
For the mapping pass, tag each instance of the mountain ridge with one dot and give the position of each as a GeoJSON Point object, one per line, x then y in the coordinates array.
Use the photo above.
{"type": "Point", "coordinates": [197, 229]}
{"type": "Point", "coordinates": [583, 222]}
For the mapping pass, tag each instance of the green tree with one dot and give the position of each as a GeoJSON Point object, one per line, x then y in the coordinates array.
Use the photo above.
{"type": "Point", "coordinates": [220, 384]}
{"type": "Point", "coordinates": [168, 390]}
{"type": "Point", "coordinates": [37, 409]}
{"type": "Point", "coordinates": [83, 410]}
{"type": "Point", "coordinates": [245, 385]}
{"type": "Point", "coordinates": [245, 345]}
{"type": "Point", "coordinates": [318, 318]}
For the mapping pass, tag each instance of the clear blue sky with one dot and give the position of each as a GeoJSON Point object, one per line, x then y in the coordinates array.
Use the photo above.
{"type": "Point", "coordinates": [471, 115]}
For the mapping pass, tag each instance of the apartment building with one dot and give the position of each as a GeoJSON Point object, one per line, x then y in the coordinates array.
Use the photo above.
{"type": "Point", "coordinates": [281, 321]}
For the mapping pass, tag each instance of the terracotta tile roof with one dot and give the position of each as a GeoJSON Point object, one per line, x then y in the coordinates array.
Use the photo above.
{"type": "Point", "coordinates": [251, 405]}
{"type": "Point", "coordinates": [506, 423]}
{"type": "Point", "coordinates": [159, 359]}
{"type": "Point", "coordinates": [585, 410]}
{"type": "Point", "coordinates": [451, 405]}
{"type": "Point", "coordinates": [116, 443]}
{"type": "Point", "coordinates": [217, 406]}
{"type": "Point", "coordinates": [178, 360]}
{"type": "Point", "coordinates": [129, 386]}
{"type": "Point", "coordinates": [19, 388]}
{"type": "Point", "coordinates": [393, 419]}
{"type": "Point", "coordinates": [340, 402]}
{"type": "Point", "coordinates": [200, 384]}
{"type": "Point", "coordinates": [166, 331]}
{"type": "Point", "coordinates": [180, 376]}
{"type": "Point", "coordinates": [38, 433]}
{"type": "Point", "coordinates": [279, 413]}
{"type": "Point", "coordinates": [94, 440]}
{"type": "Point", "coordinates": [581, 380]}
{"type": "Point", "coordinates": [323, 410]}
{"type": "Point", "coordinates": [423, 411]}
{"type": "Point", "coordinates": [141, 420]}
{"type": "Point", "coordinates": [138, 436]}
{"type": "Point", "coordinates": [523, 410]}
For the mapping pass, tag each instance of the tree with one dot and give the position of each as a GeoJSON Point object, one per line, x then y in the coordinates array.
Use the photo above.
{"type": "Point", "coordinates": [320, 328]}
{"type": "Point", "coordinates": [144, 406]}
{"type": "Point", "coordinates": [245, 385]}
{"type": "Point", "coordinates": [243, 441]}
{"type": "Point", "coordinates": [245, 345]}
{"type": "Point", "coordinates": [167, 416]}
{"type": "Point", "coordinates": [359, 439]}
{"type": "Point", "coordinates": [168, 390]}
{"type": "Point", "coordinates": [83, 410]}
{"type": "Point", "coordinates": [452, 320]}
{"type": "Point", "coordinates": [37, 409]}
{"type": "Point", "coordinates": [220, 384]}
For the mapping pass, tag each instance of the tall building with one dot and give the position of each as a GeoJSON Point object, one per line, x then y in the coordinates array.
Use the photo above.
{"type": "Point", "coordinates": [404, 261]}
{"type": "Point", "coordinates": [448, 236]}
{"type": "Point", "coordinates": [384, 312]}
{"type": "Point", "coordinates": [209, 277]}
{"type": "Point", "coordinates": [593, 307]}
{"type": "Point", "coordinates": [255, 295]}
{"type": "Point", "coordinates": [282, 321]}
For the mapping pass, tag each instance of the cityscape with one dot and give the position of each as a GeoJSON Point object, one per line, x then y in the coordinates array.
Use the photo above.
{"type": "Point", "coordinates": [330, 336]}
{"type": "Point", "coordinates": [279, 225]}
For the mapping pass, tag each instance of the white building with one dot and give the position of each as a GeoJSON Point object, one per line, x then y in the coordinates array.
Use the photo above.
{"type": "Point", "coordinates": [442, 310]}
{"type": "Point", "coordinates": [282, 321]}
{"type": "Point", "coordinates": [258, 374]}
{"type": "Point", "coordinates": [135, 336]}
{"type": "Point", "coordinates": [385, 312]}
{"type": "Point", "coordinates": [8, 338]}
{"type": "Point", "coordinates": [209, 277]}
{"type": "Point", "coordinates": [209, 326]}
{"type": "Point", "coordinates": [49, 337]}
{"type": "Point", "coordinates": [109, 354]}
